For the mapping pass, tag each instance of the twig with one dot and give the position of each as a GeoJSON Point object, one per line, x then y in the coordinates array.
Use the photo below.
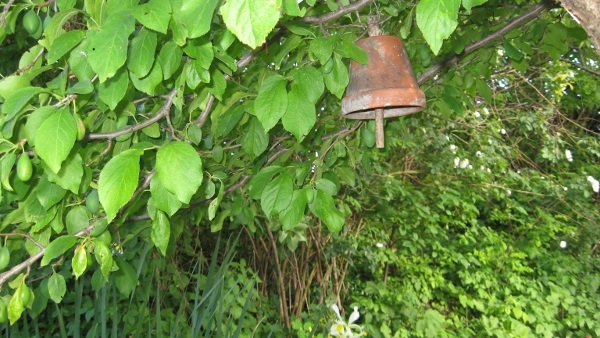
{"type": "Point", "coordinates": [5, 12]}
{"type": "Point", "coordinates": [339, 13]}
{"type": "Point", "coordinates": [27, 67]}
{"type": "Point", "coordinates": [164, 111]}
{"type": "Point", "coordinates": [34, 258]}
{"type": "Point", "coordinates": [24, 236]}
{"type": "Point", "coordinates": [591, 71]}
{"type": "Point", "coordinates": [510, 25]}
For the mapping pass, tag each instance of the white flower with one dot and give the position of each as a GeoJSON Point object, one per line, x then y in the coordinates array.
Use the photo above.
{"type": "Point", "coordinates": [489, 170]}
{"type": "Point", "coordinates": [595, 183]}
{"type": "Point", "coordinates": [477, 114]}
{"type": "Point", "coordinates": [447, 138]}
{"type": "Point", "coordinates": [464, 163]}
{"type": "Point", "coordinates": [456, 162]}
{"type": "Point", "coordinates": [563, 244]}
{"type": "Point", "coordinates": [503, 131]}
{"type": "Point", "coordinates": [565, 188]}
{"type": "Point", "coordinates": [478, 153]}
{"type": "Point", "coordinates": [486, 111]}
{"type": "Point", "coordinates": [509, 192]}
{"type": "Point", "coordinates": [453, 148]}
{"type": "Point", "coordinates": [379, 245]}
{"type": "Point", "coordinates": [568, 155]}
{"type": "Point", "coordinates": [346, 329]}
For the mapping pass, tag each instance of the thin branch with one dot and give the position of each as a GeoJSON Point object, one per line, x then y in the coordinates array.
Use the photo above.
{"type": "Point", "coordinates": [15, 270]}
{"type": "Point", "coordinates": [5, 12]}
{"type": "Point", "coordinates": [164, 111]}
{"type": "Point", "coordinates": [27, 236]}
{"type": "Point", "coordinates": [591, 71]}
{"type": "Point", "coordinates": [336, 14]}
{"type": "Point", "coordinates": [343, 132]}
{"type": "Point", "coordinates": [510, 25]}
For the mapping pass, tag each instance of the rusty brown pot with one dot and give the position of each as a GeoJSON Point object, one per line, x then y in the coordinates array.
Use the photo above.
{"type": "Point", "coordinates": [387, 82]}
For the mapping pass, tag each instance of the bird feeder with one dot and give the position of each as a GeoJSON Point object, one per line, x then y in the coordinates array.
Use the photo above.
{"type": "Point", "coordinates": [385, 87]}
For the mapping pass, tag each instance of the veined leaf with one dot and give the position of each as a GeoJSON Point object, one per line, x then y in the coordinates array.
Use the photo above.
{"type": "Point", "coordinates": [255, 140]}
{"type": "Point", "coordinates": [63, 44]}
{"type": "Point", "coordinates": [271, 102]}
{"type": "Point", "coordinates": [141, 53]}
{"type": "Point", "coordinates": [277, 195]}
{"type": "Point", "coordinates": [57, 287]}
{"type": "Point", "coordinates": [56, 137]}
{"type": "Point", "coordinates": [118, 181]}
{"type": "Point", "coordinates": [161, 231]}
{"type": "Point", "coordinates": [292, 215]}
{"type": "Point", "coordinates": [113, 90]}
{"type": "Point", "coordinates": [324, 208]}
{"type": "Point", "coordinates": [251, 20]}
{"type": "Point", "coordinates": [162, 198]}
{"type": "Point", "coordinates": [179, 168]}
{"type": "Point", "coordinates": [155, 14]}
{"type": "Point", "coordinates": [196, 16]}
{"type": "Point", "coordinates": [300, 115]}
{"type": "Point", "coordinates": [107, 50]}
{"type": "Point", "coordinates": [337, 80]}
{"type": "Point", "coordinates": [58, 247]}
{"type": "Point", "coordinates": [309, 83]}
{"type": "Point", "coordinates": [437, 19]}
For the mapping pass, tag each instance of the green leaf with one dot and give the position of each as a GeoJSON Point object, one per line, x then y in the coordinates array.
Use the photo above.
{"type": "Point", "coordinates": [107, 50]}
{"type": "Point", "coordinates": [300, 116]}
{"type": "Point", "coordinates": [337, 80]}
{"type": "Point", "coordinates": [162, 198]}
{"type": "Point", "coordinates": [277, 195]}
{"type": "Point", "coordinates": [292, 215]}
{"type": "Point", "coordinates": [324, 208]}
{"type": "Point", "coordinates": [327, 186]}
{"type": "Point", "coordinates": [309, 83]}
{"type": "Point", "coordinates": [48, 194]}
{"type": "Point", "coordinates": [57, 287]}
{"type": "Point", "coordinates": [292, 8]}
{"type": "Point", "coordinates": [70, 175]}
{"type": "Point", "coordinates": [77, 219]}
{"type": "Point", "coordinates": [350, 50]}
{"type": "Point", "coordinates": [34, 121]}
{"type": "Point", "coordinates": [155, 14]}
{"type": "Point", "coordinates": [55, 27]}
{"type": "Point", "coordinates": [58, 247]}
{"type": "Point", "coordinates": [118, 181]}
{"type": "Point", "coordinates": [103, 257]}
{"type": "Point", "coordinates": [469, 4]}
{"type": "Point", "coordinates": [225, 123]}
{"type": "Point", "coordinates": [251, 20]}
{"type": "Point", "coordinates": [214, 204]}
{"type": "Point", "coordinates": [81, 87]}
{"type": "Point", "coordinates": [179, 168]}
{"type": "Point", "coordinates": [16, 101]}
{"type": "Point", "coordinates": [63, 44]}
{"type": "Point", "coordinates": [323, 47]}
{"type": "Point", "coordinates": [113, 90]}
{"type": "Point", "coordinates": [161, 232]}
{"type": "Point", "coordinates": [125, 277]}
{"type": "Point", "coordinates": [141, 53]}
{"type": "Point", "coordinates": [196, 16]}
{"type": "Point", "coordinates": [255, 140]}
{"type": "Point", "coordinates": [201, 50]}
{"type": "Point", "coordinates": [437, 19]}
{"type": "Point", "coordinates": [79, 261]}
{"type": "Point", "coordinates": [149, 83]}
{"type": "Point", "coordinates": [260, 180]}
{"type": "Point", "coordinates": [272, 101]}
{"type": "Point", "coordinates": [169, 58]}
{"type": "Point", "coordinates": [6, 169]}
{"type": "Point", "coordinates": [15, 306]}
{"type": "Point", "coordinates": [56, 136]}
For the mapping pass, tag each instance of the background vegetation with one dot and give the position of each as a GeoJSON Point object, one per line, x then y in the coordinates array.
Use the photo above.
{"type": "Point", "coordinates": [181, 168]}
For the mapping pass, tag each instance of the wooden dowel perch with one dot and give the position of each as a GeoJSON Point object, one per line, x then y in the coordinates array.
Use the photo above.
{"type": "Point", "coordinates": [373, 26]}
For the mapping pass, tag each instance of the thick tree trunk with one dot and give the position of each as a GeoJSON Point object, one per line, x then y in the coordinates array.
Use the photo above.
{"type": "Point", "coordinates": [587, 12]}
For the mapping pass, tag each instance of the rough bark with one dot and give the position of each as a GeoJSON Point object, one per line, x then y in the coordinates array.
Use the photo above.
{"type": "Point", "coordinates": [587, 12]}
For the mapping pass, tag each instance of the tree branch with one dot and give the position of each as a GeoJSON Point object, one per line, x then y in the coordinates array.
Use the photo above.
{"type": "Point", "coordinates": [15, 270]}
{"type": "Point", "coordinates": [339, 13]}
{"type": "Point", "coordinates": [164, 111]}
{"type": "Point", "coordinates": [510, 25]}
